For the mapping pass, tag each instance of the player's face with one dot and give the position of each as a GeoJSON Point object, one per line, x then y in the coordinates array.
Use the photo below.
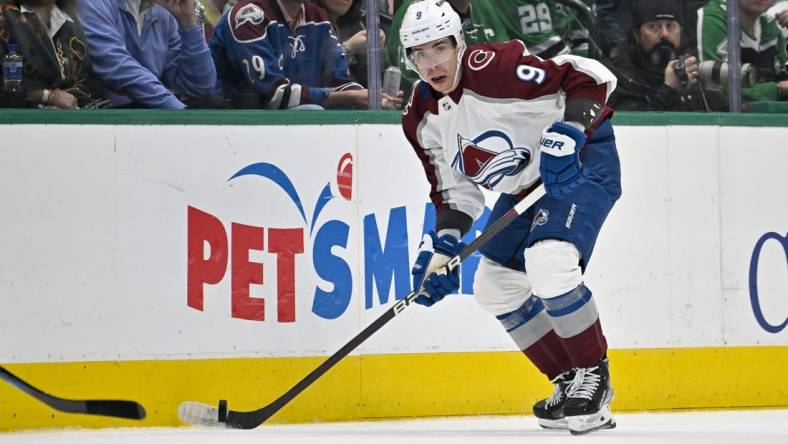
{"type": "Point", "coordinates": [437, 63]}
{"type": "Point", "coordinates": [755, 7]}
{"type": "Point", "coordinates": [652, 33]}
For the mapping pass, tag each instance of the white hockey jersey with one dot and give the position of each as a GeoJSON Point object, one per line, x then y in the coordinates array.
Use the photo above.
{"type": "Point", "coordinates": [486, 132]}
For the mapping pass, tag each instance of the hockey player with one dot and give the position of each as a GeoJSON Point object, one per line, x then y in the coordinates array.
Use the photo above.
{"type": "Point", "coordinates": [540, 25]}
{"type": "Point", "coordinates": [494, 116]}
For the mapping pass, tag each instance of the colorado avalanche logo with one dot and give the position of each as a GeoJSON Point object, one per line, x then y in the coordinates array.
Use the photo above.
{"type": "Point", "coordinates": [250, 13]}
{"type": "Point", "coordinates": [489, 158]}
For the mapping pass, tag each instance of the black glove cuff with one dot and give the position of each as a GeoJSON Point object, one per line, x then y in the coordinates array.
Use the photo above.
{"type": "Point", "coordinates": [584, 111]}
{"type": "Point", "coordinates": [455, 219]}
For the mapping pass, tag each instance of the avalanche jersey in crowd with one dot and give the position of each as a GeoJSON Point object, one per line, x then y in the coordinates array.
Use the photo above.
{"type": "Point", "coordinates": [256, 52]}
{"type": "Point", "coordinates": [486, 132]}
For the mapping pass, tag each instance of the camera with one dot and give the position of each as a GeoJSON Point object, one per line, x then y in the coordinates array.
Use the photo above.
{"type": "Point", "coordinates": [680, 69]}
{"type": "Point", "coordinates": [714, 74]}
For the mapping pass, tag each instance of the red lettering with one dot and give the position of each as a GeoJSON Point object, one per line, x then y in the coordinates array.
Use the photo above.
{"type": "Point", "coordinates": [244, 272]}
{"type": "Point", "coordinates": [204, 228]}
{"type": "Point", "coordinates": [208, 250]}
{"type": "Point", "coordinates": [285, 243]}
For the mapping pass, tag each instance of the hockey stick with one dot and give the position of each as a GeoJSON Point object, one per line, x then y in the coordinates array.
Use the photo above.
{"type": "Point", "coordinates": [197, 413]}
{"type": "Point", "coordinates": [117, 409]}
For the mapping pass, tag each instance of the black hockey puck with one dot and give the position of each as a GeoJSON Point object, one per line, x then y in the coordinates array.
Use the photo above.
{"type": "Point", "coordinates": [222, 410]}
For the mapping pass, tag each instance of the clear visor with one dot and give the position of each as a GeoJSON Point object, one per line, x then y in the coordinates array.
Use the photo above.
{"type": "Point", "coordinates": [440, 52]}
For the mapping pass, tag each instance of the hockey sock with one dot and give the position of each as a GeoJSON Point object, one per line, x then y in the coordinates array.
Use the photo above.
{"type": "Point", "coordinates": [574, 317]}
{"type": "Point", "coordinates": [549, 356]}
{"type": "Point", "coordinates": [530, 328]}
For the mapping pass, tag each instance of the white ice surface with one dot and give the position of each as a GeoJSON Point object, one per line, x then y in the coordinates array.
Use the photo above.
{"type": "Point", "coordinates": [718, 427]}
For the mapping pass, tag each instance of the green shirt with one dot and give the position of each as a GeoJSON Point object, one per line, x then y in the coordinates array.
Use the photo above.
{"type": "Point", "coordinates": [765, 50]}
{"type": "Point", "coordinates": [482, 26]}
{"type": "Point", "coordinates": [546, 27]}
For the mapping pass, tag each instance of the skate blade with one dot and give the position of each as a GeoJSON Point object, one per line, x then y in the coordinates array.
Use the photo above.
{"type": "Point", "coordinates": [554, 424]}
{"type": "Point", "coordinates": [582, 424]}
{"type": "Point", "coordinates": [607, 426]}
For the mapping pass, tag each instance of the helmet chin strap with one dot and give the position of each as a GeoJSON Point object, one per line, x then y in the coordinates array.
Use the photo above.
{"type": "Point", "coordinates": [458, 69]}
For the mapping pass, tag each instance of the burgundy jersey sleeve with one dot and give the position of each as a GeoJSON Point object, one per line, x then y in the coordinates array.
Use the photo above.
{"type": "Point", "coordinates": [419, 104]}
{"type": "Point", "coordinates": [508, 70]}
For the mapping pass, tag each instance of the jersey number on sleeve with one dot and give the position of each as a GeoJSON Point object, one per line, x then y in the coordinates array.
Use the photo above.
{"type": "Point", "coordinates": [530, 74]}
{"type": "Point", "coordinates": [258, 65]}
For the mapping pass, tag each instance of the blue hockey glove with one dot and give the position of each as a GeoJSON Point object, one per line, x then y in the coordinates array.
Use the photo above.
{"type": "Point", "coordinates": [559, 165]}
{"type": "Point", "coordinates": [434, 253]}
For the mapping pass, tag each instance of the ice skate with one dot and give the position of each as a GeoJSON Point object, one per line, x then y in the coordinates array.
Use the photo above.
{"type": "Point", "coordinates": [550, 411]}
{"type": "Point", "coordinates": [587, 407]}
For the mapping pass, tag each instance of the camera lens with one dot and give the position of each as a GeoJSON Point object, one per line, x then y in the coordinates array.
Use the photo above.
{"type": "Point", "coordinates": [714, 74]}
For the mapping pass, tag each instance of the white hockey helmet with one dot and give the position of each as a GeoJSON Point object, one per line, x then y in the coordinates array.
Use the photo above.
{"type": "Point", "coordinates": [429, 20]}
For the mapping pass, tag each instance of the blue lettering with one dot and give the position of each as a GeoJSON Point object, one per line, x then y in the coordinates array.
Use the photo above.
{"type": "Point", "coordinates": [331, 268]}
{"type": "Point", "coordinates": [381, 263]}
{"type": "Point", "coordinates": [471, 263]}
{"type": "Point", "coordinates": [429, 219]}
{"type": "Point", "coordinates": [754, 299]}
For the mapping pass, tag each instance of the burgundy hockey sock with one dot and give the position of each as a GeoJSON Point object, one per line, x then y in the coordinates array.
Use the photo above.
{"type": "Point", "coordinates": [529, 326]}
{"type": "Point", "coordinates": [588, 347]}
{"type": "Point", "coordinates": [549, 356]}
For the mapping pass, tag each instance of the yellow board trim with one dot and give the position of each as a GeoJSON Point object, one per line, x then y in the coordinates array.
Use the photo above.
{"type": "Point", "coordinates": [395, 386]}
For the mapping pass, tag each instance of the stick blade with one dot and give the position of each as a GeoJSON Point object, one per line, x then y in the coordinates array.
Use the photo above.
{"type": "Point", "coordinates": [117, 409]}
{"type": "Point", "coordinates": [197, 413]}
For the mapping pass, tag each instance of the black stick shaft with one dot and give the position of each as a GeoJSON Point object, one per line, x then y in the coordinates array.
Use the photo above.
{"type": "Point", "coordinates": [247, 420]}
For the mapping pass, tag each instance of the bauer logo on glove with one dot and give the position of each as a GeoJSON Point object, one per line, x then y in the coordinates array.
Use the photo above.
{"type": "Point", "coordinates": [559, 166]}
{"type": "Point", "coordinates": [553, 145]}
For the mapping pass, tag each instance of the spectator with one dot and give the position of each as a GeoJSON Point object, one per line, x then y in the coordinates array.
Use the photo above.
{"type": "Point", "coordinates": [148, 53]}
{"type": "Point", "coordinates": [540, 25]}
{"type": "Point", "coordinates": [480, 23]}
{"type": "Point", "coordinates": [649, 75]}
{"type": "Point", "coordinates": [281, 54]}
{"type": "Point", "coordinates": [52, 42]}
{"type": "Point", "coordinates": [762, 45]}
{"type": "Point", "coordinates": [348, 19]}
{"type": "Point", "coordinates": [614, 17]}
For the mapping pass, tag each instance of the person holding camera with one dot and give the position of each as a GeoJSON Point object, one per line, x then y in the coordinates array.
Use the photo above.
{"type": "Point", "coordinates": [762, 46]}
{"type": "Point", "coordinates": [614, 19]}
{"type": "Point", "coordinates": [651, 74]}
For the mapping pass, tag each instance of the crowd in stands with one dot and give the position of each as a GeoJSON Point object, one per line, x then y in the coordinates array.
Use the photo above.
{"type": "Point", "coordinates": [668, 55]}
